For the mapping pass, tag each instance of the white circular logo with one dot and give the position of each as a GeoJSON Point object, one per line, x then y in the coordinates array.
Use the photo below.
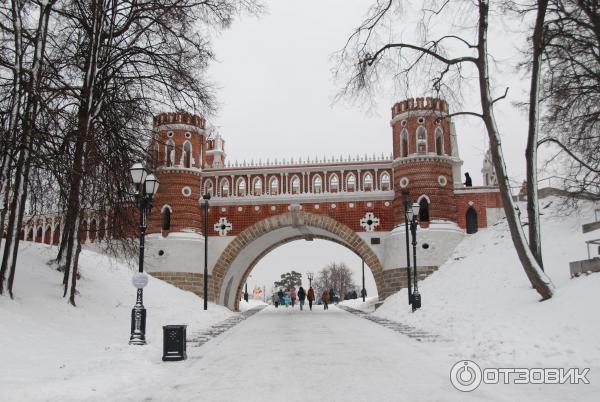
{"type": "Point", "coordinates": [465, 375]}
{"type": "Point", "coordinates": [139, 280]}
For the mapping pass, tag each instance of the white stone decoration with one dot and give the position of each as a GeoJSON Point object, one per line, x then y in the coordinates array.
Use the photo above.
{"type": "Point", "coordinates": [387, 203]}
{"type": "Point", "coordinates": [369, 222]}
{"type": "Point", "coordinates": [404, 182]}
{"type": "Point", "coordinates": [223, 209]}
{"type": "Point", "coordinates": [333, 206]}
{"type": "Point", "coordinates": [351, 205]}
{"type": "Point", "coordinates": [273, 207]}
{"type": "Point", "coordinates": [257, 208]}
{"type": "Point", "coordinates": [223, 226]}
{"type": "Point", "coordinates": [369, 204]}
{"type": "Point", "coordinates": [471, 203]}
{"type": "Point", "coordinates": [186, 191]}
{"type": "Point", "coordinates": [317, 206]}
{"type": "Point", "coordinates": [240, 209]}
{"type": "Point", "coordinates": [442, 181]}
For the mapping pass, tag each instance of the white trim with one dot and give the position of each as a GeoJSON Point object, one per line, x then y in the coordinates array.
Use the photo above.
{"type": "Point", "coordinates": [417, 113]}
{"type": "Point", "coordinates": [239, 180]}
{"type": "Point", "coordinates": [424, 196]}
{"type": "Point", "coordinates": [305, 198]}
{"type": "Point", "coordinates": [181, 126]}
{"type": "Point", "coordinates": [245, 170]}
{"type": "Point", "coordinates": [435, 136]}
{"type": "Point", "coordinates": [167, 206]}
{"type": "Point", "coordinates": [476, 190]}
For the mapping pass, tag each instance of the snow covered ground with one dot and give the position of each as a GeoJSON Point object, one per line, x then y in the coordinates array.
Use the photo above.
{"type": "Point", "coordinates": [50, 349]}
{"type": "Point", "coordinates": [482, 299]}
{"type": "Point", "coordinates": [479, 302]}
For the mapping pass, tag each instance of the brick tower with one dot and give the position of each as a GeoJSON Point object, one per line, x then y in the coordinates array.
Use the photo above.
{"type": "Point", "coordinates": [423, 159]}
{"type": "Point", "coordinates": [179, 152]}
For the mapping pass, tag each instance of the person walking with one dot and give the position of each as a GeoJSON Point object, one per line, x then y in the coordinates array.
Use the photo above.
{"type": "Point", "coordinates": [325, 299]}
{"type": "Point", "coordinates": [301, 297]}
{"type": "Point", "coordinates": [280, 295]}
{"type": "Point", "coordinates": [311, 297]}
{"type": "Point", "coordinates": [293, 296]}
{"type": "Point", "coordinates": [275, 300]}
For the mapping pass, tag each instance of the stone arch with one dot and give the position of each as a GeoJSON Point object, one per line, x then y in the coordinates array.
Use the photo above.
{"type": "Point", "coordinates": [242, 253]}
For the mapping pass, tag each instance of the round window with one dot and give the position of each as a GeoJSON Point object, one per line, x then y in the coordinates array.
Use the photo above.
{"type": "Point", "coordinates": [442, 181]}
{"type": "Point", "coordinates": [170, 134]}
{"type": "Point", "coordinates": [403, 123]}
{"type": "Point", "coordinates": [421, 120]}
{"type": "Point", "coordinates": [188, 135]}
{"type": "Point", "coordinates": [186, 191]}
{"type": "Point", "coordinates": [403, 182]}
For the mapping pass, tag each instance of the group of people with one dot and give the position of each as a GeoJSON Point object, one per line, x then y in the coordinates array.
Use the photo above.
{"type": "Point", "coordinates": [282, 298]}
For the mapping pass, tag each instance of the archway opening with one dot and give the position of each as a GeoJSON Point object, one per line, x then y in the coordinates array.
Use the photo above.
{"type": "Point", "coordinates": [333, 266]}
{"type": "Point", "coordinates": [471, 216]}
{"type": "Point", "coordinates": [242, 254]}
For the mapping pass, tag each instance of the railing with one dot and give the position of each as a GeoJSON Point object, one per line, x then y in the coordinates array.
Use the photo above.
{"type": "Point", "coordinates": [307, 161]}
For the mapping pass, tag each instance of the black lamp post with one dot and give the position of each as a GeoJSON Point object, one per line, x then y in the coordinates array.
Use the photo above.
{"type": "Point", "coordinates": [363, 292]}
{"type": "Point", "coordinates": [413, 213]}
{"type": "Point", "coordinates": [408, 276]}
{"type": "Point", "coordinates": [146, 186]}
{"type": "Point", "coordinates": [205, 199]}
{"type": "Point", "coordinates": [310, 276]}
{"type": "Point", "coordinates": [246, 292]}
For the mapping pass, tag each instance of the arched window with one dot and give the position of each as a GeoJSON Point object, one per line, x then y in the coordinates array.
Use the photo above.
{"type": "Point", "coordinates": [56, 237]}
{"type": "Point", "coordinates": [439, 141]}
{"type": "Point", "coordinates": [224, 188]}
{"type": "Point", "coordinates": [170, 153]}
{"type": "Point", "coordinates": [368, 182]}
{"type": "Point", "coordinates": [48, 234]}
{"type": "Point", "coordinates": [424, 210]}
{"type": "Point", "coordinates": [257, 186]}
{"type": "Point", "coordinates": [274, 186]}
{"type": "Point", "coordinates": [93, 230]}
{"type": "Point", "coordinates": [295, 185]}
{"type": "Point", "coordinates": [241, 187]}
{"type": "Point", "coordinates": [82, 232]}
{"type": "Point", "coordinates": [421, 140]}
{"type": "Point", "coordinates": [385, 181]}
{"type": "Point", "coordinates": [155, 155]}
{"type": "Point", "coordinates": [404, 143]}
{"type": "Point", "coordinates": [166, 218]}
{"type": "Point", "coordinates": [334, 183]}
{"type": "Point", "coordinates": [351, 182]}
{"type": "Point", "coordinates": [101, 229]}
{"type": "Point", "coordinates": [317, 184]}
{"type": "Point", "coordinates": [208, 187]}
{"type": "Point", "coordinates": [187, 155]}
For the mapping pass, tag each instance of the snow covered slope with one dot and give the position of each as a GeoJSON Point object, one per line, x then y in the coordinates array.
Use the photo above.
{"type": "Point", "coordinates": [482, 299]}
{"type": "Point", "coordinates": [46, 342]}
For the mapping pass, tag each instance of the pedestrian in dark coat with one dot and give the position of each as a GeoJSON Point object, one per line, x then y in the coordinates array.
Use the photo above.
{"type": "Point", "coordinates": [301, 297]}
{"type": "Point", "coordinates": [331, 295]}
{"type": "Point", "coordinates": [325, 299]}
{"type": "Point", "coordinates": [311, 297]}
{"type": "Point", "coordinates": [468, 181]}
{"type": "Point", "coordinates": [281, 295]}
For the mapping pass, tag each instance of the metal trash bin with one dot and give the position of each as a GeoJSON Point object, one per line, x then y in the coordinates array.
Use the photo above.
{"type": "Point", "coordinates": [174, 346]}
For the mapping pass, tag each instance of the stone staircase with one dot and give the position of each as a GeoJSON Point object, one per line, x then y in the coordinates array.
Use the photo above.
{"type": "Point", "coordinates": [404, 329]}
{"type": "Point", "coordinates": [201, 337]}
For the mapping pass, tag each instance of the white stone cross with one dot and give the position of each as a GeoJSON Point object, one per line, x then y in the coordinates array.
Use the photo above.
{"type": "Point", "coordinates": [369, 222]}
{"type": "Point", "coordinates": [222, 226]}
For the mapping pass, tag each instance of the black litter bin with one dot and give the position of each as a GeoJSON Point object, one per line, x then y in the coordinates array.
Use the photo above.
{"type": "Point", "coordinates": [174, 347]}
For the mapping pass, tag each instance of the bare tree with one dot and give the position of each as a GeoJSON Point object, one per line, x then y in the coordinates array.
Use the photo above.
{"type": "Point", "coordinates": [336, 276]}
{"type": "Point", "coordinates": [366, 54]}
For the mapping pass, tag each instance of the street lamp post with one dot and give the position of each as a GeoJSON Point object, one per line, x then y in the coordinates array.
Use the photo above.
{"type": "Point", "coordinates": [246, 292]}
{"type": "Point", "coordinates": [205, 199]}
{"type": "Point", "coordinates": [408, 278]}
{"type": "Point", "coordinates": [146, 186]}
{"type": "Point", "coordinates": [412, 214]}
{"type": "Point", "coordinates": [363, 291]}
{"type": "Point", "coordinates": [310, 276]}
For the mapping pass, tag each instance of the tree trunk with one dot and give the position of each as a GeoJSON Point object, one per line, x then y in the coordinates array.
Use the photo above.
{"type": "Point", "coordinates": [533, 215]}
{"type": "Point", "coordinates": [540, 282]}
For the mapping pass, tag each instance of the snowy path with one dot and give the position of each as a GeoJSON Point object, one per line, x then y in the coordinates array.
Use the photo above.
{"type": "Point", "coordinates": [285, 354]}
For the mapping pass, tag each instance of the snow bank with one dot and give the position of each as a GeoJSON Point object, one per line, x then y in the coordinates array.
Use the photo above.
{"type": "Point", "coordinates": [482, 299]}
{"type": "Point", "coordinates": [46, 341]}
{"type": "Point", "coordinates": [251, 303]}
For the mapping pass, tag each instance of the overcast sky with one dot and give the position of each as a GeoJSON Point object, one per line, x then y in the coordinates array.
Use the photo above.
{"type": "Point", "coordinates": [274, 75]}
